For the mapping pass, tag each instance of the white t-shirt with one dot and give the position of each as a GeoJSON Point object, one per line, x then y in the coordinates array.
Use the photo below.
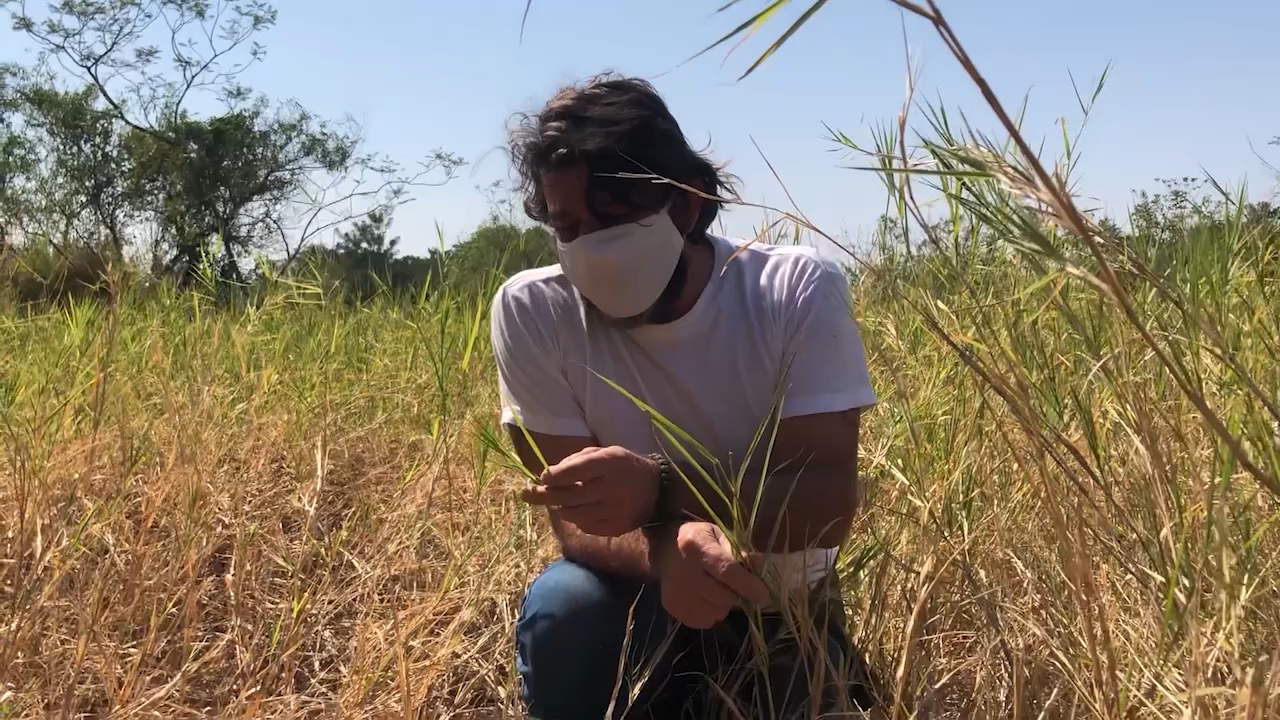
{"type": "Point", "coordinates": [714, 372]}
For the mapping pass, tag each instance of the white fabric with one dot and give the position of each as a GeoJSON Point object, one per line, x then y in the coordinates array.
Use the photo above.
{"type": "Point", "coordinates": [623, 269]}
{"type": "Point", "coordinates": [714, 372]}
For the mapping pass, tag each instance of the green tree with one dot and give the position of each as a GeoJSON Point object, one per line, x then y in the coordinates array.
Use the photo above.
{"type": "Point", "coordinates": [16, 157]}
{"type": "Point", "coordinates": [256, 178]}
{"type": "Point", "coordinates": [119, 48]}
{"type": "Point", "coordinates": [495, 251]}
{"type": "Point", "coordinates": [367, 256]}
{"type": "Point", "coordinates": [80, 178]}
{"type": "Point", "coordinates": [226, 184]}
{"type": "Point", "coordinates": [366, 243]}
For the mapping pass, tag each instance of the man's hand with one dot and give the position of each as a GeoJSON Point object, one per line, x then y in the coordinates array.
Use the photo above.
{"type": "Point", "coordinates": [604, 491]}
{"type": "Point", "coordinates": [701, 580]}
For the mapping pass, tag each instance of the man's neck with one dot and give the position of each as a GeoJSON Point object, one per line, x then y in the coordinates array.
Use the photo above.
{"type": "Point", "coordinates": [700, 259]}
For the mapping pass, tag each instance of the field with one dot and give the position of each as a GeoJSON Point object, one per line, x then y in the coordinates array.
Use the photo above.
{"type": "Point", "coordinates": [276, 502]}
{"type": "Point", "coordinates": [282, 507]}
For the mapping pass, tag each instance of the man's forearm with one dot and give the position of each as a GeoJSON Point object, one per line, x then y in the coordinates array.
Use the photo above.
{"type": "Point", "coordinates": [800, 509]}
{"type": "Point", "coordinates": [629, 555]}
{"type": "Point", "coordinates": [797, 510]}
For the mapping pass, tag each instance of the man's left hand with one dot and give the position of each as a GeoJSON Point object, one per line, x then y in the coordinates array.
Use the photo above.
{"type": "Point", "coordinates": [604, 491]}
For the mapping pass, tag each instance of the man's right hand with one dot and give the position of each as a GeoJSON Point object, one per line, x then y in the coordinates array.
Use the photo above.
{"type": "Point", "coordinates": [701, 580]}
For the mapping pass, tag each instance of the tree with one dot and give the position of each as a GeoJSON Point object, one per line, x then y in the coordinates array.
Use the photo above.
{"type": "Point", "coordinates": [257, 177]}
{"type": "Point", "coordinates": [366, 243]}
{"type": "Point", "coordinates": [495, 251]}
{"type": "Point", "coordinates": [225, 185]}
{"type": "Point", "coordinates": [16, 157]}
{"type": "Point", "coordinates": [364, 261]}
{"type": "Point", "coordinates": [366, 255]}
{"type": "Point", "coordinates": [104, 44]}
{"type": "Point", "coordinates": [79, 179]}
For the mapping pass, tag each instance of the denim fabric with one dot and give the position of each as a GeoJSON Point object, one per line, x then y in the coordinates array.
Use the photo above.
{"type": "Point", "coordinates": [570, 637]}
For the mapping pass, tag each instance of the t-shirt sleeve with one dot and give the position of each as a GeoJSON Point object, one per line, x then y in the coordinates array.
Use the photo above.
{"type": "Point", "coordinates": [532, 385]}
{"type": "Point", "coordinates": [827, 369]}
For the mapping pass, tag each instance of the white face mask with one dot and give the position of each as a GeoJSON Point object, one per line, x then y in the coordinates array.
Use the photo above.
{"type": "Point", "coordinates": [623, 269]}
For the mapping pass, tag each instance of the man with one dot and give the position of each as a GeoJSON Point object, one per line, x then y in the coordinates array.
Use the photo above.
{"type": "Point", "coordinates": [651, 604]}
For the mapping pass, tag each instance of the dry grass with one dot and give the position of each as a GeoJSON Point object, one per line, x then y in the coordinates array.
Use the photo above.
{"type": "Point", "coordinates": [285, 509]}
{"type": "Point", "coordinates": [275, 512]}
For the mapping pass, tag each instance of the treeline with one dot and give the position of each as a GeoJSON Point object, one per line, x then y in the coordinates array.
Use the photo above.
{"type": "Point", "coordinates": [364, 264]}
{"type": "Point", "coordinates": [144, 156]}
{"type": "Point", "coordinates": [131, 141]}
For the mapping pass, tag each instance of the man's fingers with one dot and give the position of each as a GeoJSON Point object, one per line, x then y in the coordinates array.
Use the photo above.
{"type": "Point", "coordinates": [692, 607]}
{"type": "Point", "coordinates": [578, 467]}
{"type": "Point", "coordinates": [536, 495]}
{"type": "Point", "coordinates": [542, 477]}
{"type": "Point", "coordinates": [716, 555]}
{"type": "Point", "coordinates": [573, 496]}
{"type": "Point", "coordinates": [705, 586]}
{"type": "Point", "coordinates": [742, 581]}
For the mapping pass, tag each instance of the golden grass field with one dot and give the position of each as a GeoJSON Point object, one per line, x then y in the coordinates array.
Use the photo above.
{"type": "Point", "coordinates": [282, 506]}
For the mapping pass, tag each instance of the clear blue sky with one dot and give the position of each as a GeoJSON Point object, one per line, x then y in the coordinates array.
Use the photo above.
{"type": "Point", "coordinates": [1192, 84]}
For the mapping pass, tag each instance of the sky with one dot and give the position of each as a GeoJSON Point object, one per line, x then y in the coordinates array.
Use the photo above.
{"type": "Point", "coordinates": [1189, 89]}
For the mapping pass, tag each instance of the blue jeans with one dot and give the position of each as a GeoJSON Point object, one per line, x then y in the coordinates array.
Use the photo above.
{"type": "Point", "coordinates": [570, 637]}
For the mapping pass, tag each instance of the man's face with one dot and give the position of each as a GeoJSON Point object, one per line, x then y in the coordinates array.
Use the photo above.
{"type": "Point", "coordinates": [575, 209]}
{"type": "Point", "coordinates": [572, 212]}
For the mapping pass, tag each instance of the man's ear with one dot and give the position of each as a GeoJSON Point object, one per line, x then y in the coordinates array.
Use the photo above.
{"type": "Point", "coordinates": [687, 207]}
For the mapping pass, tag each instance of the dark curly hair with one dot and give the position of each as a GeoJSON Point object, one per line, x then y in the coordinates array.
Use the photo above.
{"type": "Point", "coordinates": [612, 124]}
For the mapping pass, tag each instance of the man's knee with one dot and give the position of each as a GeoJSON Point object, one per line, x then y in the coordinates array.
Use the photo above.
{"type": "Point", "coordinates": [569, 639]}
{"type": "Point", "coordinates": [568, 597]}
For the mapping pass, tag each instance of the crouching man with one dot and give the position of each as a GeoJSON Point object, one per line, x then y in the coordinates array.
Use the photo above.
{"type": "Point", "coordinates": [648, 612]}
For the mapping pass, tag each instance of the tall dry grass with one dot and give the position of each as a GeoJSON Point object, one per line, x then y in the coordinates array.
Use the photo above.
{"type": "Point", "coordinates": [273, 510]}
{"type": "Point", "coordinates": [286, 507]}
